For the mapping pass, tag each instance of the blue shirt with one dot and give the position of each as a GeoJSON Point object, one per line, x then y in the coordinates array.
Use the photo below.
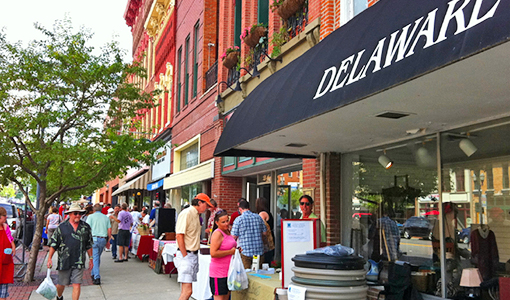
{"type": "Point", "coordinates": [249, 227]}
{"type": "Point", "coordinates": [99, 224]}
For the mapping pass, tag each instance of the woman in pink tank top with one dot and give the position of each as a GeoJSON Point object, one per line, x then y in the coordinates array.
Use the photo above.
{"type": "Point", "coordinates": [223, 246]}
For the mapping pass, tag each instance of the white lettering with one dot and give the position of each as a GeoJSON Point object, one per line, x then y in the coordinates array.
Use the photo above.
{"type": "Point", "coordinates": [343, 68]}
{"type": "Point", "coordinates": [402, 43]}
{"type": "Point", "coordinates": [352, 77]}
{"type": "Point", "coordinates": [320, 93]}
{"type": "Point", "coordinates": [376, 57]}
{"type": "Point", "coordinates": [450, 14]}
{"type": "Point", "coordinates": [427, 30]}
{"type": "Point", "coordinates": [476, 11]}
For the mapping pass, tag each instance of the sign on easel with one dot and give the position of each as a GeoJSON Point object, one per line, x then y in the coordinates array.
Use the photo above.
{"type": "Point", "coordinates": [298, 236]}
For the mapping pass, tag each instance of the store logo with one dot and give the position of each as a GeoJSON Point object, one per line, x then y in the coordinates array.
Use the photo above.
{"type": "Point", "coordinates": [402, 44]}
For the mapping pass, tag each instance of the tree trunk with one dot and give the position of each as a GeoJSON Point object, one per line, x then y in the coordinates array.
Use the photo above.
{"type": "Point", "coordinates": [36, 242]}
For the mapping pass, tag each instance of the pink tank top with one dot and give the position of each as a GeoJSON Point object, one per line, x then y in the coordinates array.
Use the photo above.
{"type": "Point", "coordinates": [219, 266]}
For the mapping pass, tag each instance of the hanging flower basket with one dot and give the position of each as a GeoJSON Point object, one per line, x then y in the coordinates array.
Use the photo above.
{"type": "Point", "coordinates": [252, 39]}
{"type": "Point", "coordinates": [231, 59]}
{"type": "Point", "coordinates": [289, 7]}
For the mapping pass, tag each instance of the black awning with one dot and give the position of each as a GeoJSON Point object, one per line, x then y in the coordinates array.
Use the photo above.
{"type": "Point", "coordinates": [391, 43]}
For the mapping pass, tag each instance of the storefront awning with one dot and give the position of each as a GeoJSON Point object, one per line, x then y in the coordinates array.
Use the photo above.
{"type": "Point", "coordinates": [138, 183]}
{"type": "Point", "coordinates": [437, 64]}
{"type": "Point", "coordinates": [155, 185]}
{"type": "Point", "coordinates": [194, 174]}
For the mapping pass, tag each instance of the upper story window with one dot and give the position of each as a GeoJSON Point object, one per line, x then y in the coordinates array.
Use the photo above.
{"type": "Point", "coordinates": [178, 93]}
{"type": "Point", "coordinates": [195, 57]}
{"type": "Point", "coordinates": [186, 70]}
{"type": "Point", "coordinates": [189, 157]}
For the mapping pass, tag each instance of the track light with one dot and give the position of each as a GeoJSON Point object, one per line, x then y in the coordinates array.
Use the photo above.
{"type": "Point", "coordinates": [385, 161]}
{"type": "Point", "coordinates": [467, 147]}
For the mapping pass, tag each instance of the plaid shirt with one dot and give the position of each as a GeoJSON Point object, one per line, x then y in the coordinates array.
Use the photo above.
{"type": "Point", "coordinates": [248, 227]}
{"type": "Point", "coordinates": [392, 237]}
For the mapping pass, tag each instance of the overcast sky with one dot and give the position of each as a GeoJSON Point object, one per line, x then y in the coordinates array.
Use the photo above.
{"type": "Point", "coordinates": [103, 17]}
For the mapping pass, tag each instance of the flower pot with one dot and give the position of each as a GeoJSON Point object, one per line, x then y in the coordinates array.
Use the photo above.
{"type": "Point", "coordinates": [252, 39]}
{"type": "Point", "coordinates": [289, 7]}
{"type": "Point", "coordinates": [231, 60]}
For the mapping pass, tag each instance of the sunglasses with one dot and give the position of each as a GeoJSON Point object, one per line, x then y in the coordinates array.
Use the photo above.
{"type": "Point", "coordinates": [305, 203]}
{"type": "Point", "coordinates": [76, 213]}
{"type": "Point", "coordinates": [219, 211]}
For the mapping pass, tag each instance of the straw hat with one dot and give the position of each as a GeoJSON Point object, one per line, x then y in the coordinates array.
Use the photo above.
{"type": "Point", "coordinates": [75, 207]}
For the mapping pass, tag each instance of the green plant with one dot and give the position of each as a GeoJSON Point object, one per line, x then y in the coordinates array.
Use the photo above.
{"type": "Point", "coordinates": [248, 58]}
{"type": "Point", "coordinates": [277, 40]}
{"type": "Point", "coordinates": [276, 4]}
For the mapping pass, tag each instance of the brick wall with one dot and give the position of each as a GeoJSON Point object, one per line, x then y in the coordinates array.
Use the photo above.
{"type": "Point", "coordinates": [225, 35]}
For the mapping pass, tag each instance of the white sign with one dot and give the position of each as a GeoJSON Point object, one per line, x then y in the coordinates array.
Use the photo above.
{"type": "Point", "coordinates": [296, 292]}
{"type": "Point", "coordinates": [161, 166]}
{"type": "Point", "coordinates": [298, 232]}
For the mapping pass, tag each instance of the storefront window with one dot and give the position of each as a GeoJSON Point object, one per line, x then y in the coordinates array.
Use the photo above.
{"type": "Point", "coordinates": [394, 196]}
{"type": "Point", "coordinates": [477, 159]}
{"type": "Point", "coordinates": [189, 157]}
{"type": "Point", "coordinates": [190, 191]}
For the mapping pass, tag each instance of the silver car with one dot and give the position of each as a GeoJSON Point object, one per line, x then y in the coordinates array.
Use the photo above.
{"type": "Point", "coordinates": [12, 217]}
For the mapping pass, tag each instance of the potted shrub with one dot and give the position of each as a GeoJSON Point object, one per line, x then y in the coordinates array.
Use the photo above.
{"type": "Point", "coordinates": [230, 57]}
{"type": "Point", "coordinates": [251, 36]}
{"type": "Point", "coordinates": [287, 8]}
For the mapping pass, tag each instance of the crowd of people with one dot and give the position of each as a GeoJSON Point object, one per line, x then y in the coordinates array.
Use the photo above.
{"type": "Point", "coordinates": [83, 229]}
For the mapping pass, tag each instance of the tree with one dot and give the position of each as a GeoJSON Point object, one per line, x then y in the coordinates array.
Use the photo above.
{"type": "Point", "coordinates": [8, 191]}
{"type": "Point", "coordinates": [67, 117]}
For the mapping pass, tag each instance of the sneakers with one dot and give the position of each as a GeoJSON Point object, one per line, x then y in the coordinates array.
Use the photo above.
{"type": "Point", "coordinates": [107, 250]}
{"type": "Point", "coordinates": [114, 257]}
{"type": "Point", "coordinates": [97, 281]}
{"type": "Point", "coordinates": [60, 298]}
{"type": "Point", "coordinates": [119, 260]}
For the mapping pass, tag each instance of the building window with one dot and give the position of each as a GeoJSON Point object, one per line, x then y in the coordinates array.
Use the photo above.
{"type": "Point", "coordinates": [237, 22]}
{"type": "Point", "coordinates": [178, 94]}
{"type": "Point", "coordinates": [189, 157]}
{"type": "Point", "coordinates": [186, 70]}
{"type": "Point", "coordinates": [263, 11]}
{"type": "Point", "coordinates": [195, 58]}
{"type": "Point", "coordinates": [228, 161]}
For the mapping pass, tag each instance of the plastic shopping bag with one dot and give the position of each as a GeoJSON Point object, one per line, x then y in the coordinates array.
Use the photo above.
{"type": "Point", "coordinates": [47, 289]}
{"type": "Point", "coordinates": [237, 279]}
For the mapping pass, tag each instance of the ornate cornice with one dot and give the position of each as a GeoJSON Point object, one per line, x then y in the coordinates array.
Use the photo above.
{"type": "Point", "coordinates": [166, 80]}
{"type": "Point", "coordinates": [131, 12]}
{"type": "Point", "coordinates": [158, 17]}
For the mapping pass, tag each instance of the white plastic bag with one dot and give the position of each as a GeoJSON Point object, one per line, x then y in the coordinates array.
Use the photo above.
{"type": "Point", "coordinates": [237, 279]}
{"type": "Point", "coordinates": [47, 289]}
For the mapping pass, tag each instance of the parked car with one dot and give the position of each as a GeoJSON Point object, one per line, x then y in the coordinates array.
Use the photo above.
{"type": "Point", "coordinates": [417, 227]}
{"type": "Point", "coordinates": [463, 235]}
{"type": "Point", "coordinates": [12, 217]}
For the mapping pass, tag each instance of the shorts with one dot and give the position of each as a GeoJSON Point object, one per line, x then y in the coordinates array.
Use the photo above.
{"type": "Point", "coordinates": [71, 276]}
{"type": "Point", "coordinates": [4, 290]}
{"type": "Point", "coordinates": [218, 286]}
{"type": "Point", "coordinates": [123, 238]}
{"type": "Point", "coordinates": [187, 267]}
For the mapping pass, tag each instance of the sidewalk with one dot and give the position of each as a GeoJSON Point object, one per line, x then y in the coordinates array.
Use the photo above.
{"type": "Point", "coordinates": [124, 281]}
{"type": "Point", "coordinates": [22, 291]}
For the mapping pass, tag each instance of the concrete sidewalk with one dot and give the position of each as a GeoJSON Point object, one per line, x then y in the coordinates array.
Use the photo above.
{"type": "Point", "coordinates": [124, 281]}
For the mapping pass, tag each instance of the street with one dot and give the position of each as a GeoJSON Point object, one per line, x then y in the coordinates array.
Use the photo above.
{"type": "Point", "coordinates": [420, 248]}
{"type": "Point", "coordinates": [128, 280]}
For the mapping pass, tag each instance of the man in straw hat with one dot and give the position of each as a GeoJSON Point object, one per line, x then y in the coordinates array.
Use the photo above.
{"type": "Point", "coordinates": [71, 239]}
{"type": "Point", "coordinates": [187, 232]}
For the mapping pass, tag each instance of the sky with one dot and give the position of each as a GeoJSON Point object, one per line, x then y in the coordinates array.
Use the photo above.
{"type": "Point", "coordinates": [105, 18]}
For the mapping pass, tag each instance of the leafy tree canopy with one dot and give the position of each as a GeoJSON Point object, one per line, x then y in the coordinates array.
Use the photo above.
{"type": "Point", "coordinates": [67, 115]}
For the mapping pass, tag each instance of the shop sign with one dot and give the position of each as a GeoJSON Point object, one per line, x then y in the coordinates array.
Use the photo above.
{"type": "Point", "coordinates": [401, 44]}
{"type": "Point", "coordinates": [264, 178]}
{"type": "Point", "coordinates": [156, 185]}
{"type": "Point", "coordinates": [161, 166]}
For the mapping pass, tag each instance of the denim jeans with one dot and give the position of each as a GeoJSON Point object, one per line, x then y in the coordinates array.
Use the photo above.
{"type": "Point", "coordinates": [113, 245]}
{"type": "Point", "coordinates": [97, 250]}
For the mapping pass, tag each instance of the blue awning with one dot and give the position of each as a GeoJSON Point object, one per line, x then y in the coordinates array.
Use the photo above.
{"type": "Point", "coordinates": [155, 185]}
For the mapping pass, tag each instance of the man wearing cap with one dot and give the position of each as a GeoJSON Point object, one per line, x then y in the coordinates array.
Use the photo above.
{"type": "Point", "coordinates": [187, 232]}
{"type": "Point", "coordinates": [101, 234]}
{"type": "Point", "coordinates": [106, 208]}
{"type": "Point", "coordinates": [115, 228]}
{"type": "Point", "coordinates": [71, 239]}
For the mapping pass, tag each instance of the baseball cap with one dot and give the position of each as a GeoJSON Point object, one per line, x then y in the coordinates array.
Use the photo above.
{"type": "Point", "coordinates": [204, 197]}
{"type": "Point", "coordinates": [110, 210]}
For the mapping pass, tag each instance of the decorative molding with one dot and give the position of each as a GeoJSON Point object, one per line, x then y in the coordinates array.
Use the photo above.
{"type": "Point", "coordinates": [159, 15]}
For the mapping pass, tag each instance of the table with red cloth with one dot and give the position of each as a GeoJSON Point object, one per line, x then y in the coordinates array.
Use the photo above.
{"type": "Point", "coordinates": [142, 245]}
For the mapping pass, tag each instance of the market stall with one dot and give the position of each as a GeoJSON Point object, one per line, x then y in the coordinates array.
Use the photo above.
{"type": "Point", "coordinates": [260, 287]}
{"type": "Point", "coordinates": [141, 244]}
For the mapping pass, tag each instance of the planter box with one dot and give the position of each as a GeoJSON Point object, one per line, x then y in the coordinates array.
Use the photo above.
{"type": "Point", "coordinates": [252, 39]}
{"type": "Point", "coordinates": [231, 60]}
{"type": "Point", "coordinates": [289, 7]}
